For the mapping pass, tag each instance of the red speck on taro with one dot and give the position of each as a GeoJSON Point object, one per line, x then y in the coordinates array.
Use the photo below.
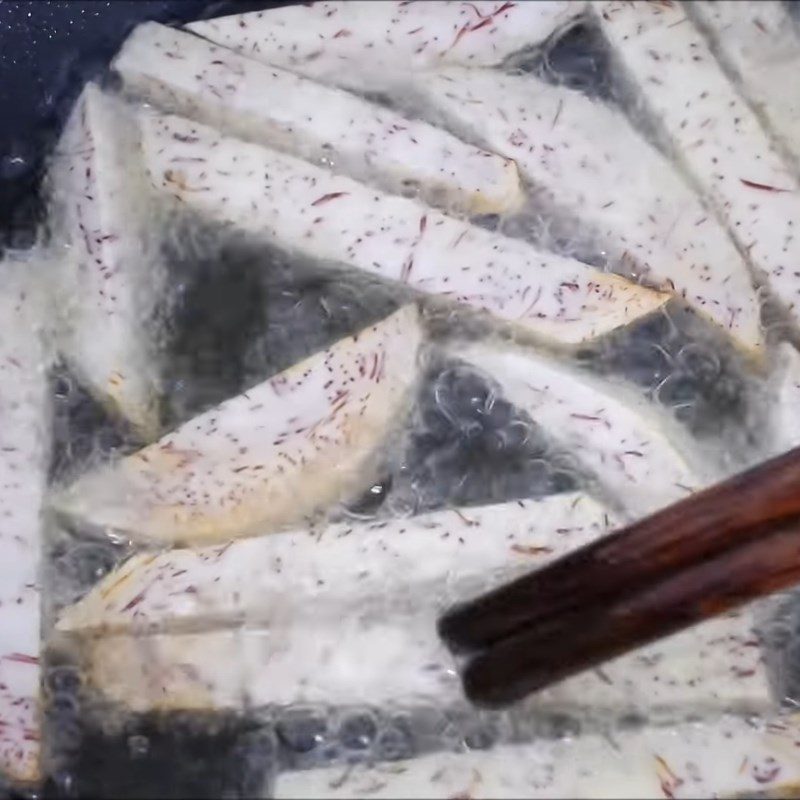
{"type": "Point", "coordinates": [763, 186]}
{"type": "Point", "coordinates": [326, 198]}
{"type": "Point", "coordinates": [531, 550]}
{"type": "Point", "coordinates": [407, 267]}
{"type": "Point", "coordinates": [670, 782]}
{"type": "Point", "coordinates": [517, 138]}
{"type": "Point", "coordinates": [587, 417]}
{"type": "Point", "coordinates": [460, 237]}
{"type": "Point", "coordinates": [21, 658]}
{"type": "Point", "coordinates": [504, 7]}
{"type": "Point", "coordinates": [480, 25]}
{"type": "Point", "coordinates": [375, 363]}
{"type": "Point", "coordinates": [223, 550]}
{"type": "Point", "coordinates": [739, 672]}
{"type": "Point", "coordinates": [476, 10]}
{"type": "Point", "coordinates": [135, 601]}
{"type": "Point", "coordinates": [460, 33]}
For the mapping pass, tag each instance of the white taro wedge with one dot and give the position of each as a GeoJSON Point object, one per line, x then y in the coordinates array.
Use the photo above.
{"type": "Point", "coordinates": [634, 451]}
{"type": "Point", "coordinates": [24, 433]}
{"type": "Point", "coordinates": [379, 653]}
{"type": "Point", "coordinates": [183, 73]}
{"type": "Point", "coordinates": [372, 638]}
{"type": "Point", "coordinates": [259, 580]}
{"type": "Point", "coordinates": [713, 134]}
{"type": "Point", "coordinates": [350, 660]}
{"type": "Point", "coordinates": [268, 458]}
{"type": "Point", "coordinates": [111, 269]}
{"type": "Point", "coordinates": [758, 45]}
{"type": "Point", "coordinates": [310, 211]}
{"type": "Point", "coordinates": [361, 45]}
{"type": "Point", "coordinates": [582, 157]}
{"type": "Point", "coordinates": [359, 627]}
{"type": "Point", "coordinates": [725, 757]}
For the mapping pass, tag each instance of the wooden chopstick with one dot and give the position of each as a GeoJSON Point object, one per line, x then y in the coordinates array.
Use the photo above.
{"type": "Point", "coordinates": [702, 527]}
{"type": "Point", "coordinates": [560, 646]}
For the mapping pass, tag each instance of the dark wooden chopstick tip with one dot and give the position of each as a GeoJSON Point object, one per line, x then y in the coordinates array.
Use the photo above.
{"type": "Point", "coordinates": [450, 626]}
{"type": "Point", "coordinates": [482, 688]}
